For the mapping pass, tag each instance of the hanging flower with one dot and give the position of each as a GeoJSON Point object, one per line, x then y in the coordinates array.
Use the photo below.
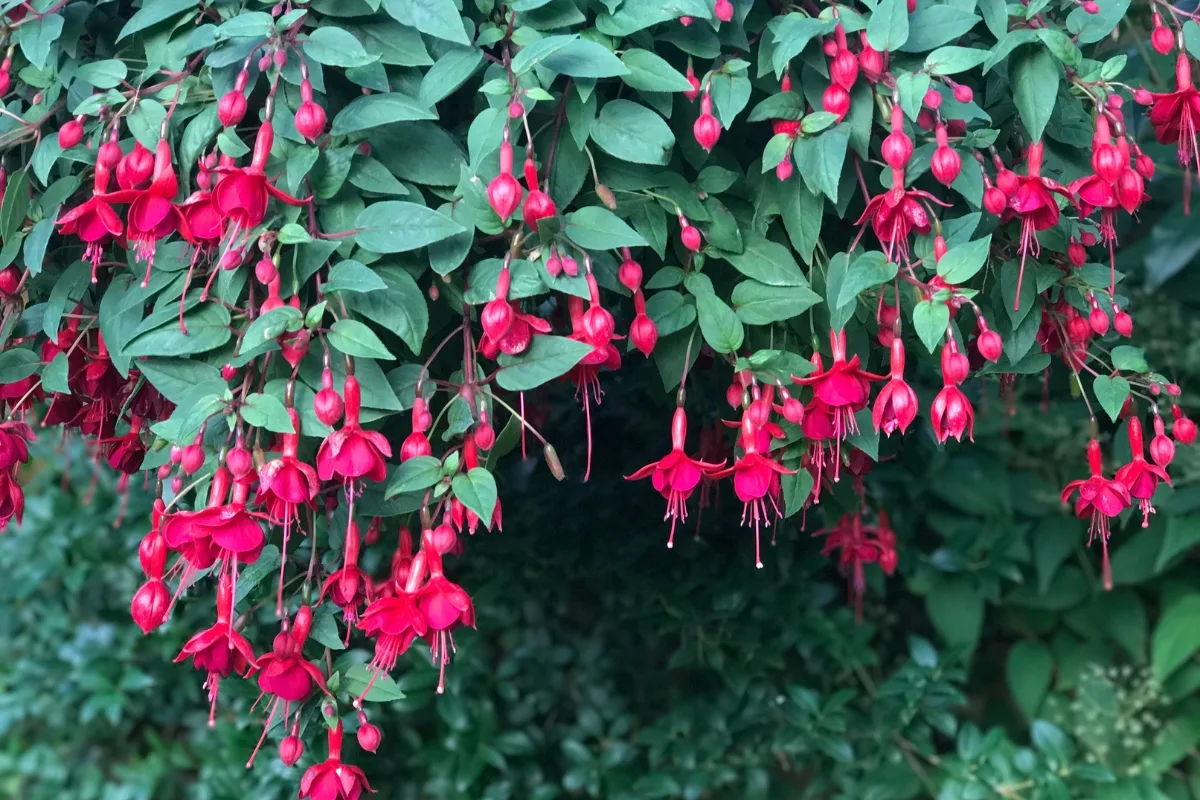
{"type": "Point", "coordinates": [1099, 501]}
{"type": "Point", "coordinates": [1139, 476]}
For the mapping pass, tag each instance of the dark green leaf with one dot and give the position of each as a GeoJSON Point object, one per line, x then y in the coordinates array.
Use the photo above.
{"type": "Point", "coordinates": [17, 364]}
{"type": "Point", "coordinates": [865, 272]}
{"type": "Point", "coordinates": [357, 678]}
{"type": "Point", "coordinates": [547, 358]}
{"type": "Point", "coordinates": [597, 228]}
{"type": "Point", "coordinates": [265, 411]}
{"type": "Point", "coordinates": [652, 73]}
{"type": "Point", "coordinates": [353, 276]}
{"type": "Point", "coordinates": [1028, 670]}
{"type": "Point", "coordinates": [336, 48]}
{"type": "Point", "coordinates": [355, 339]}
{"type": "Point", "coordinates": [819, 159]}
{"type": "Point", "coordinates": [930, 319]}
{"type": "Point", "coordinates": [1035, 76]}
{"type": "Point", "coordinates": [373, 110]}
{"type": "Point", "coordinates": [632, 132]}
{"type": "Point", "coordinates": [477, 491]}
{"type": "Point", "coordinates": [1111, 393]}
{"type": "Point", "coordinates": [933, 25]}
{"type": "Point", "coordinates": [396, 226]}
{"type": "Point", "coordinates": [887, 27]}
{"type": "Point", "coordinates": [414, 475]}
{"type": "Point", "coordinates": [1176, 637]}
{"type": "Point", "coordinates": [400, 308]}
{"type": "Point", "coordinates": [155, 12]}
{"type": "Point", "coordinates": [961, 262]}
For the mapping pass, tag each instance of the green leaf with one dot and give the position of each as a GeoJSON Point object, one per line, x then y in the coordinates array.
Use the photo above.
{"type": "Point", "coordinates": [369, 175]}
{"type": "Point", "coordinates": [1129, 359]}
{"type": "Point", "coordinates": [397, 226]}
{"type": "Point", "coordinates": [352, 276]}
{"type": "Point", "coordinates": [911, 88]}
{"type": "Point", "coordinates": [437, 18]}
{"type": "Point", "coordinates": [18, 364]}
{"type": "Point", "coordinates": [865, 272]}
{"type": "Point", "coordinates": [1061, 46]}
{"type": "Point", "coordinates": [931, 320]}
{"type": "Point", "coordinates": [995, 16]}
{"type": "Point", "coordinates": [355, 339]}
{"type": "Point", "coordinates": [1191, 38]}
{"type": "Point", "coordinates": [292, 233]}
{"type": "Point", "coordinates": [155, 12]}
{"type": "Point", "coordinates": [477, 491]}
{"type": "Point", "coordinates": [207, 329]}
{"type": "Point", "coordinates": [792, 35]}
{"type": "Point", "coordinates": [720, 326]}
{"type": "Point", "coordinates": [106, 74]}
{"type": "Point", "coordinates": [802, 214]}
{"type": "Point", "coordinates": [36, 36]}
{"type": "Point", "coordinates": [373, 110]}
{"type": "Point", "coordinates": [335, 47]}
{"type": "Point", "coordinates": [247, 25]}
{"type": "Point", "coordinates": [325, 629]}
{"type": "Point", "coordinates": [887, 28]}
{"type": "Point", "coordinates": [819, 159]}
{"type": "Point", "coordinates": [270, 325]}
{"type": "Point", "coordinates": [181, 380]}
{"type": "Point", "coordinates": [584, 58]}
{"type": "Point", "coordinates": [54, 376]}
{"type": "Point", "coordinates": [670, 311]}
{"type": "Point", "coordinates": [35, 245]}
{"type": "Point", "coordinates": [251, 576]}
{"type": "Point", "coordinates": [632, 132]}
{"type": "Point", "coordinates": [961, 262]}
{"type": "Point", "coordinates": [15, 205]}
{"type": "Point", "coordinates": [1091, 28]}
{"type": "Point", "coordinates": [1183, 533]}
{"type": "Point", "coordinates": [265, 411]}
{"type": "Point", "coordinates": [933, 25]}
{"type": "Point", "coordinates": [955, 607]}
{"type": "Point", "coordinates": [547, 358]}
{"type": "Point", "coordinates": [414, 475]}
{"type": "Point", "coordinates": [597, 228]}
{"type": "Point", "coordinates": [1028, 669]}
{"type": "Point", "coordinates": [767, 262]}
{"type": "Point", "coordinates": [400, 308]}
{"type": "Point", "coordinates": [650, 72]}
{"type": "Point", "coordinates": [1176, 637]}
{"type": "Point", "coordinates": [450, 72]}
{"type": "Point", "coordinates": [358, 677]}
{"type": "Point", "coordinates": [1111, 393]}
{"type": "Point", "coordinates": [951, 60]}
{"type": "Point", "coordinates": [1035, 75]}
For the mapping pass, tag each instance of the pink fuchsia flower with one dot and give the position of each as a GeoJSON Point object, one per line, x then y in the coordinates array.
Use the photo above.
{"type": "Point", "coordinates": [896, 405]}
{"type": "Point", "coordinates": [676, 475]}
{"type": "Point", "coordinates": [896, 214]}
{"type": "Point", "coordinates": [333, 779]}
{"type": "Point", "coordinates": [755, 482]}
{"type": "Point", "coordinates": [445, 606]}
{"type": "Point", "coordinates": [1175, 115]}
{"type": "Point", "coordinates": [1099, 500]}
{"type": "Point", "coordinates": [242, 193]}
{"type": "Point", "coordinates": [94, 221]}
{"type": "Point", "coordinates": [348, 587]}
{"type": "Point", "coordinates": [1139, 476]}
{"type": "Point", "coordinates": [857, 545]}
{"type": "Point", "coordinates": [220, 650]}
{"type": "Point", "coordinates": [152, 214]}
{"type": "Point", "coordinates": [1034, 203]}
{"type": "Point", "coordinates": [351, 453]}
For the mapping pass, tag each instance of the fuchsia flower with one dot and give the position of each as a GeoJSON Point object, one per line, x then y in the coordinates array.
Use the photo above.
{"type": "Point", "coordinates": [285, 673]}
{"type": "Point", "coordinates": [1175, 115]}
{"type": "Point", "coordinates": [897, 213]}
{"type": "Point", "coordinates": [896, 405]}
{"type": "Point", "coordinates": [242, 193]}
{"type": "Point", "coordinates": [860, 544]}
{"type": "Point", "coordinates": [284, 485]}
{"type": "Point", "coordinates": [152, 213]}
{"type": "Point", "coordinates": [593, 327]}
{"type": "Point", "coordinates": [755, 481]}
{"type": "Point", "coordinates": [333, 779]}
{"type": "Point", "coordinates": [1034, 203]}
{"type": "Point", "coordinates": [94, 221]}
{"type": "Point", "coordinates": [445, 606]}
{"type": "Point", "coordinates": [1100, 499]}
{"type": "Point", "coordinates": [220, 650]}
{"type": "Point", "coordinates": [1139, 476]}
{"type": "Point", "coordinates": [676, 475]}
{"type": "Point", "coordinates": [395, 621]}
{"type": "Point", "coordinates": [951, 413]}
{"type": "Point", "coordinates": [351, 453]}
{"type": "Point", "coordinates": [225, 531]}
{"type": "Point", "coordinates": [844, 388]}
{"type": "Point", "coordinates": [348, 587]}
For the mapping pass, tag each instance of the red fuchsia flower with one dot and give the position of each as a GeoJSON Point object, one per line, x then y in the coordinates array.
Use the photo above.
{"type": "Point", "coordinates": [15, 437]}
{"type": "Point", "coordinates": [220, 650]}
{"type": "Point", "coordinates": [593, 327]}
{"type": "Point", "coordinates": [152, 213]}
{"type": "Point", "coordinates": [1162, 449]}
{"type": "Point", "coordinates": [135, 168]}
{"type": "Point", "coordinates": [445, 606]}
{"type": "Point", "coordinates": [327, 403]}
{"type": "Point", "coordinates": [951, 413]}
{"type": "Point", "coordinates": [845, 388]}
{"type": "Point", "coordinates": [945, 163]}
{"type": "Point", "coordinates": [12, 499]}
{"type": "Point", "coordinates": [896, 405]}
{"type": "Point", "coordinates": [1140, 477]}
{"type": "Point", "coordinates": [676, 475]}
{"type": "Point", "coordinates": [519, 335]}
{"type": "Point", "coordinates": [284, 485]}
{"type": "Point", "coordinates": [333, 779]}
{"type": "Point", "coordinates": [1099, 500]}
{"type": "Point", "coordinates": [395, 621]}
{"type": "Point", "coordinates": [94, 221]}
{"type": "Point", "coordinates": [538, 205]}
{"type": "Point", "coordinates": [1174, 116]}
{"type": "Point", "coordinates": [897, 213]}
{"type": "Point", "coordinates": [351, 453]}
{"type": "Point", "coordinates": [1034, 203]}
{"type": "Point", "coordinates": [286, 674]}
{"type": "Point", "coordinates": [242, 193]}
{"type": "Point", "coordinates": [125, 453]}
{"type": "Point", "coordinates": [857, 545]}
{"type": "Point", "coordinates": [504, 191]}
{"type": "Point", "coordinates": [348, 587]}
{"type": "Point", "coordinates": [755, 482]}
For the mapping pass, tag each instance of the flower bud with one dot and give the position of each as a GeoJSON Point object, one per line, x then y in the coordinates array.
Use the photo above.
{"type": "Point", "coordinates": [310, 120]}
{"type": "Point", "coordinates": [516, 109]}
{"type": "Point", "coordinates": [1162, 449]}
{"type": "Point", "coordinates": [783, 170]}
{"type": "Point", "coordinates": [10, 281]}
{"type": "Point", "coordinates": [723, 10]}
{"type": "Point", "coordinates": [690, 237]}
{"type": "Point", "coordinates": [932, 99]}
{"type": "Point", "coordinates": [291, 749]}
{"type": "Point", "coordinates": [414, 446]}
{"type": "Point", "coordinates": [1007, 181]}
{"type": "Point", "coordinates": [1183, 429]}
{"type": "Point", "coordinates": [239, 461]}
{"type": "Point", "coordinates": [265, 270]}
{"type": "Point", "coordinates": [193, 459]}
{"type": "Point", "coordinates": [945, 164]}
{"type": "Point", "coordinates": [484, 436]}
{"type": "Point", "coordinates": [630, 274]}
{"type": "Point", "coordinates": [843, 70]}
{"type": "Point", "coordinates": [150, 604]}
{"type": "Point", "coordinates": [504, 195]}
{"type": "Point", "coordinates": [232, 108]}
{"type": "Point", "coordinates": [994, 200]}
{"type": "Point", "coordinates": [551, 456]}
{"type": "Point", "coordinates": [990, 345]}
{"type": "Point", "coordinates": [793, 411]}
{"type": "Point", "coordinates": [963, 94]}
{"type": "Point", "coordinates": [70, 134]}
{"type": "Point", "coordinates": [1076, 254]}
{"type": "Point", "coordinates": [328, 406]}
{"type": "Point", "coordinates": [1098, 320]}
{"type": "Point", "coordinates": [836, 100]}
{"type": "Point", "coordinates": [706, 130]}
{"type": "Point", "coordinates": [1123, 323]}
{"type": "Point", "coordinates": [644, 334]}
{"type": "Point", "coordinates": [1162, 40]}
{"type": "Point", "coordinates": [939, 249]}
